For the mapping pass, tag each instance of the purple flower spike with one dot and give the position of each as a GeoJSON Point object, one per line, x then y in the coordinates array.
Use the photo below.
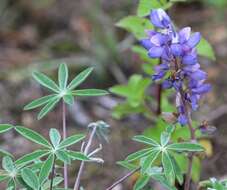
{"type": "Point", "coordinates": [177, 52]}
{"type": "Point", "coordinates": [160, 19]}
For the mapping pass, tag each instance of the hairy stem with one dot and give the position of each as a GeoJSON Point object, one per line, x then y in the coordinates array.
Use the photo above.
{"type": "Point", "coordinates": [64, 137]}
{"type": "Point", "coordinates": [52, 173]}
{"type": "Point", "coordinates": [86, 150]}
{"type": "Point", "coordinates": [123, 178]}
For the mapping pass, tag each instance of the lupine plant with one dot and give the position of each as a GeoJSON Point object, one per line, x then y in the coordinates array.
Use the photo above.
{"type": "Point", "coordinates": [171, 55]}
{"type": "Point", "coordinates": [169, 155]}
{"type": "Point", "coordinates": [39, 170]}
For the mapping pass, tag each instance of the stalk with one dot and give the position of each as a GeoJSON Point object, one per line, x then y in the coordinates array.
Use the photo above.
{"type": "Point", "coordinates": [64, 137]}
{"type": "Point", "coordinates": [86, 150]}
{"type": "Point", "coordinates": [120, 180]}
{"type": "Point", "coordinates": [52, 173]}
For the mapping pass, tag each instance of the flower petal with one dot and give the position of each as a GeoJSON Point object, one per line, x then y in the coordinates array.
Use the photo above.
{"type": "Point", "coordinates": [155, 52]}
{"type": "Point", "coordinates": [184, 34]}
{"type": "Point", "coordinates": [194, 40]}
{"type": "Point", "coordinates": [146, 43]}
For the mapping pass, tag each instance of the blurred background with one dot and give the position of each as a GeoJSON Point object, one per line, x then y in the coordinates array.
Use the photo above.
{"type": "Point", "coordinates": [40, 34]}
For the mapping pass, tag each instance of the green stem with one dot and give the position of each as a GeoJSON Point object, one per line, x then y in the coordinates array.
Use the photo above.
{"type": "Point", "coordinates": [64, 137]}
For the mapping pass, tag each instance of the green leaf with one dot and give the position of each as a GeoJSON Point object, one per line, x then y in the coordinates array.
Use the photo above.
{"type": "Point", "coordinates": [90, 92]}
{"type": "Point", "coordinates": [134, 91]}
{"type": "Point", "coordinates": [146, 140]}
{"type": "Point", "coordinates": [5, 127]}
{"type": "Point", "coordinates": [68, 99]}
{"type": "Point", "coordinates": [56, 181]}
{"type": "Point", "coordinates": [7, 164]}
{"type": "Point", "coordinates": [63, 156]}
{"type": "Point", "coordinates": [55, 137]}
{"type": "Point", "coordinates": [205, 49]}
{"type": "Point", "coordinates": [46, 81]}
{"type": "Point", "coordinates": [11, 185]}
{"type": "Point", "coordinates": [139, 154]}
{"type": "Point", "coordinates": [77, 156]}
{"type": "Point", "coordinates": [63, 76]}
{"type": "Point", "coordinates": [149, 160]}
{"type": "Point", "coordinates": [165, 137]}
{"type": "Point", "coordinates": [135, 25]}
{"type": "Point", "coordinates": [186, 146]}
{"type": "Point", "coordinates": [177, 170]}
{"type": "Point", "coordinates": [141, 182]}
{"type": "Point", "coordinates": [46, 169]}
{"type": "Point", "coordinates": [168, 167]}
{"type": "Point", "coordinates": [31, 157]}
{"type": "Point", "coordinates": [127, 165]}
{"type": "Point", "coordinates": [39, 102]}
{"type": "Point", "coordinates": [145, 6]}
{"type": "Point", "coordinates": [48, 107]}
{"type": "Point", "coordinates": [33, 136]}
{"type": "Point", "coordinates": [3, 178]}
{"type": "Point", "coordinates": [30, 178]}
{"type": "Point", "coordinates": [80, 78]}
{"type": "Point", "coordinates": [5, 153]}
{"type": "Point", "coordinates": [71, 140]}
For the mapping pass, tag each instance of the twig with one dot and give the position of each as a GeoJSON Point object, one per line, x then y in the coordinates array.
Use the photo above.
{"type": "Point", "coordinates": [86, 150]}
{"type": "Point", "coordinates": [52, 173]}
{"type": "Point", "coordinates": [64, 137]}
{"type": "Point", "coordinates": [123, 178]}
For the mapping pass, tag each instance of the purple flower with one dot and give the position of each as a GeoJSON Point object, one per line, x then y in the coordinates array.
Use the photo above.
{"type": "Point", "coordinates": [160, 19]}
{"type": "Point", "coordinates": [177, 51]}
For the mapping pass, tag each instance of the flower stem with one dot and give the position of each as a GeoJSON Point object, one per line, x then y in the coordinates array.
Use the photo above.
{"type": "Point", "coordinates": [52, 173]}
{"type": "Point", "coordinates": [123, 178]}
{"type": "Point", "coordinates": [192, 134]}
{"type": "Point", "coordinates": [64, 137]}
{"type": "Point", "coordinates": [86, 150]}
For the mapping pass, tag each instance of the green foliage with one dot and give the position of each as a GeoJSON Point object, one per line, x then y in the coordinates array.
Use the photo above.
{"type": "Point", "coordinates": [165, 152]}
{"type": "Point", "coordinates": [214, 184]}
{"type": "Point", "coordinates": [134, 92]}
{"type": "Point", "coordinates": [135, 25]}
{"type": "Point", "coordinates": [145, 6]}
{"type": "Point", "coordinates": [205, 49]}
{"type": "Point", "coordinates": [61, 91]}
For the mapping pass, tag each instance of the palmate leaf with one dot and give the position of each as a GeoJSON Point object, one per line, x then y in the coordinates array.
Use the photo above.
{"type": "Point", "coordinates": [46, 169]}
{"type": "Point", "coordinates": [149, 160]}
{"type": "Point", "coordinates": [30, 178]}
{"type": "Point", "coordinates": [31, 157]}
{"type": "Point", "coordinates": [63, 76]}
{"type": "Point", "coordinates": [33, 136]}
{"type": "Point", "coordinates": [139, 154]}
{"type": "Point", "coordinates": [186, 146]}
{"type": "Point", "coordinates": [39, 102]}
{"type": "Point", "coordinates": [55, 137]}
{"type": "Point", "coordinates": [141, 182]}
{"type": "Point", "coordinates": [71, 140]}
{"type": "Point", "coordinates": [145, 140]}
{"type": "Point", "coordinates": [48, 107]}
{"type": "Point", "coordinates": [46, 81]}
{"type": "Point", "coordinates": [177, 170]}
{"type": "Point", "coordinates": [5, 127]}
{"type": "Point", "coordinates": [90, 92]}
{"type": "Point", "coordinates": [79, 78]}
{"type": "Point", "coordinates": [168, 167]}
